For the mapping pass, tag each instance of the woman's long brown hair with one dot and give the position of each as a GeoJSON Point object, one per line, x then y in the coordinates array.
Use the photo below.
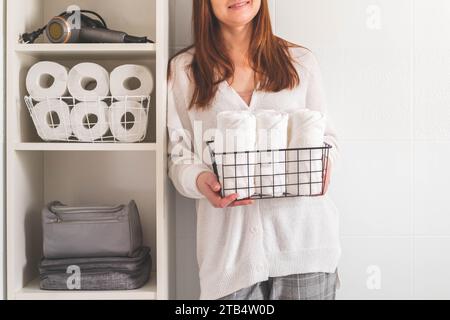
{"type": "Point", "coordinates": [269, 55]}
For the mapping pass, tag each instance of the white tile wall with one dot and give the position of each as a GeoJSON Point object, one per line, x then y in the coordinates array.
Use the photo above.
{"type": "Point", "coordinates": [372, 188]}
{"type": "Point", "coordinates": [386, 67]}
{"type": "Point", "coordinates": [431, 268]}
{"type": "Point", "coordinates": [432, 69]}
{"type": "Point", "coordinates": [376, 268]}
{"type": "Point", "coordinates": [431, 201]}
{"type": "Point", "coordinates": [369, 68]}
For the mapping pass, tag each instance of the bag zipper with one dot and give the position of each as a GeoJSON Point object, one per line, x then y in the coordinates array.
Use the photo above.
{"type": "Point", "coordinates": [59, 220]}
{"type": "Point", "coordinates": [74, 210]}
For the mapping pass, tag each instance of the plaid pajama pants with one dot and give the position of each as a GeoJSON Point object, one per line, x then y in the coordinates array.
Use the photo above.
{"type": "Point", "coordinates": [311, 286]}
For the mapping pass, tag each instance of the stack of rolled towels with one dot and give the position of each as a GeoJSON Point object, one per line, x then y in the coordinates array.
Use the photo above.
{"type": "Point", "coordinates": [86, 115]}
{"type": "Point", "coordinates": [248, 160]}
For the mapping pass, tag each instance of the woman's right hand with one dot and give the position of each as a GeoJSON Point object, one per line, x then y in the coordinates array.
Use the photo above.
{"type": "Point", "coordinates": [208, 185]}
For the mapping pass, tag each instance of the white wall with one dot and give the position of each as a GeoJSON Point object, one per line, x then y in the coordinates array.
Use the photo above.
{"type": "Point", "coordinates": [386, 67]}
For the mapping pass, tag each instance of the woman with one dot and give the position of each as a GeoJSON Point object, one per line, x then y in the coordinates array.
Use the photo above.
{"type": "Point", "coordinates": [270, 249]}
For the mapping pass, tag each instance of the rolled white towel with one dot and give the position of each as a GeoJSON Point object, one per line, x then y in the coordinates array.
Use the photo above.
{"type": "Point", "coordinates": [236, 132]}
{"type": "Point", "coordinates": [306, 130]}
{"type": "Point", "coordinates": [272, 128]}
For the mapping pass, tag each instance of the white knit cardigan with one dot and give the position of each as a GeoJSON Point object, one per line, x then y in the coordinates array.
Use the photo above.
{"type": "Point", "coordinates": [238, 247]}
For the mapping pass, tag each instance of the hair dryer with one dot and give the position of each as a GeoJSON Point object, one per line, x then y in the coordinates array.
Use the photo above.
{"type": "Point", "coordinates": [65, 29]}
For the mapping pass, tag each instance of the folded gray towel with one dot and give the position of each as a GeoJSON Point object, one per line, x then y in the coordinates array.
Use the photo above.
{"type": "Point", "coordinates": [106, 273]}
{"type": "Point", "coordinates": [121, 263]}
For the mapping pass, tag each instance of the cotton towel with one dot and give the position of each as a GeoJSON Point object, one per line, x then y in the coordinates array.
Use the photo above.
{"type": "Point", "coordinates": [236, 132]}
{"type": "Point", "coordinates": [272, 128]}
{"type": "Point", "coordinates": [304, 174]}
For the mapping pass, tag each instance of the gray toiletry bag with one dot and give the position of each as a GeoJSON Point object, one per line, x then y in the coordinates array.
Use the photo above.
{"type": "Point", "coordinates": [72, 232]}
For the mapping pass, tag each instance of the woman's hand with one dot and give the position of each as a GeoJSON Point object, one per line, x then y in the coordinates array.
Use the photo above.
{"type": "Point", "coordinates": [208, 185]}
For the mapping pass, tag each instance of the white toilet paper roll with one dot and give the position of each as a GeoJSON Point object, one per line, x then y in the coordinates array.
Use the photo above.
{"type": "Point", "coordinates": [52, 120]}
{"type": "Point", "coordinates": [46, 79]}
{"type": "Point", "coordinates": [88, 81]}
{"type": "Point", "coordinates": [131, 80]}
{"type": "Point", "coordinates": [128, 121]}
{"type": "Point", "coordinates": [89, 122]}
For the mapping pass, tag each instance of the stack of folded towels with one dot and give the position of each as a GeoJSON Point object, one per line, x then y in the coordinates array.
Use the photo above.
{"type": "Point", "coordinates": [93, 248]}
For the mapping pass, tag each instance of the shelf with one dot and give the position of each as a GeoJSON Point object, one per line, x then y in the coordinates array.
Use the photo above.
{"type": "Point", "coordinates": [91, 49]}
{"type": "Point", "coordinates": [85, 146]}
{"type": "Point", "coordinates": [32, 292]}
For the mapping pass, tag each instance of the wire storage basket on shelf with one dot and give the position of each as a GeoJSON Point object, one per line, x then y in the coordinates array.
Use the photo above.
{"type": "Point", "coordinates": [108, 119]}
{"type": "Point", "coordinates": [271, 174]}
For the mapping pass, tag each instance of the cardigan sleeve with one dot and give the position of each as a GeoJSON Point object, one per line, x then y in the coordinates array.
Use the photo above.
{"type": "Point", "coordinates": [185, 164]}
{"type": "Point", "coordinates": [316, 100]}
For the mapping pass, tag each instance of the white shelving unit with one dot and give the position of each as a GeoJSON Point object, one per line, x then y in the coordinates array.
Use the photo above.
{"type": "Point", "coordinates": [31, 291]}
{"type": "Point", "coordinates": [82, 173]}
{"type": "Point", "coordinates": [35, 146]}
{"type": "Point", "coordinates": [46, 50]}
{"type": "Point", "coordinates": [2, 112]}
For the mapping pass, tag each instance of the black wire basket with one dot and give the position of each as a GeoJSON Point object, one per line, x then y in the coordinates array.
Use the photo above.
{"type": "Point", "coordinates": [271, 174]}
